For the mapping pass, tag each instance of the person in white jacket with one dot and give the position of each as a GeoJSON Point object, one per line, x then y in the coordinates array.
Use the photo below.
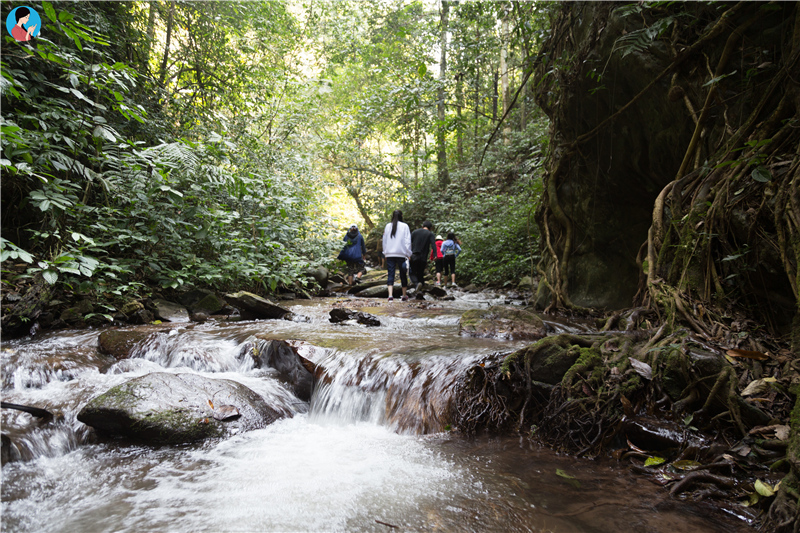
{"type": "Point", "coordinates": [396, 249]}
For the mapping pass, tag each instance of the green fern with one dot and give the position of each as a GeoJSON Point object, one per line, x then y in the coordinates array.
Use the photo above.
{"type": "Point", "coordinates": [640, 40]}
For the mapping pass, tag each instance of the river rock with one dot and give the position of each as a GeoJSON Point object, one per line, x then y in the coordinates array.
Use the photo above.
{"type": "Point", "coordinates": [170, 311]}
{"type": "Point", "coordinates": [343, 315]}
{"type": "Point", "coordinates": [525, 284]}
{"type": "Point", "coordinates": [379, 291]}
{"type": "Point", "coordinates": [435, 291]}
{"type": "Point", "coordinates": [202, 301]}
{"type": "Point", "coordinates": [319, 274]}
{"type": "Point", "coordinates": [293, 369]}
{"type": "Point", "coordinates": [120, 343]}
{"type": "Point", "coordinates": [255, 306]}
{"type": "Point", "coordinates": [20, 316]}
{"type": "Point", "coordinates": [503, 322]}
{"type": "Point", "coordinates": [10, 452]}
{"type": "Point", "coordinates": [163, 408]}
{"type": "Point", "coordinates": [364, 285]}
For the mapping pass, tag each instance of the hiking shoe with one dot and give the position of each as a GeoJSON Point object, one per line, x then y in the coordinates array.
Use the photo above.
{"type": "Point", "coordinates": [438, 283]}
{"type": "Point", "coordinates": [404, 298]}
{"type": "Point", "coordinates": [419, 286]}
{"type": "Point", "coordinates": [391, 299]}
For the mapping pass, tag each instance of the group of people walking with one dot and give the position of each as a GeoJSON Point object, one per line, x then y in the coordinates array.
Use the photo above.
{"type": "Point", "coordinates": [407, 253]}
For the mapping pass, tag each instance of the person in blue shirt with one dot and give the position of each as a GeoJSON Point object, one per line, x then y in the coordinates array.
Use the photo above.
{"type": "Point", "coordinates": [450, 250]}
{"type": "Point", "coordinates": [353, 254]}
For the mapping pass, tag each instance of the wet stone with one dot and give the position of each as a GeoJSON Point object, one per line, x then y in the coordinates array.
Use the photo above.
{"type": "Point", "coordinates": [165, 408]}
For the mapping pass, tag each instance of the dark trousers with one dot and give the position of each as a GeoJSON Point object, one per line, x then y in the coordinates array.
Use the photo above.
{"type": "Point", "coordinates": [399, 263]}
{"type": "Point", "coordinates": [418, 271]}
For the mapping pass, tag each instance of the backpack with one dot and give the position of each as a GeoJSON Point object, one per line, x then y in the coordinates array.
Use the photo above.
{"type": "Point", "coordinates": [450, 249]}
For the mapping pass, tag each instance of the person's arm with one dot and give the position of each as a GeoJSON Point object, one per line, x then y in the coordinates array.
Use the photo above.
{"type": "Point", "coordinates": [363, 247]}
{"type": "Point", "coordinates": [407, 240]}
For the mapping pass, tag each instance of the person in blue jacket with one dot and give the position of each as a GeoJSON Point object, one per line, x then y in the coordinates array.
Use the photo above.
{"type": "Point", "coordinates": [353, 254]}
{"type": "Point", "coordinates": [450, 250]}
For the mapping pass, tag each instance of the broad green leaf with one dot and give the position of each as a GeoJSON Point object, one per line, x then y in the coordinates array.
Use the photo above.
{"type": "Point", "coordinates": [764, 489]}
{"type": "Point", "coordinates": [50, 276]}
{"type": "Point", "coordinates": [49, 11]}
{"type": "Point", "coordinates": [654, 461]}
{"type": "Point", "coordinates": [761, 174]}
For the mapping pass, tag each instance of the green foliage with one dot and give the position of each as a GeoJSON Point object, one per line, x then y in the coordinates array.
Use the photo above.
{"type": "Point", "coordinates": [92, 203]}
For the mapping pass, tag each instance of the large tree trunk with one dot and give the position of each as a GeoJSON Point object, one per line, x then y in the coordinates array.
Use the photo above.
{"type": "Point", "coordinates": [151, 32]}
{"type": "Point", "coordinates": [504, 74]}
{"type": "Point", "coordinates": [459, 126]}
{"type": "Point", "coordinates": [441, 146]}
{"type": "Point", "coordinates": [170, 19]}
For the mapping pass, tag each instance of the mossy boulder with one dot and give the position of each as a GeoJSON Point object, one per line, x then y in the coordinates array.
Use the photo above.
{"type": "Point", "coordinates": [202, 301]}
{"type": "Point", "coordinates": [504, 322]}
{"type": "Point", "coordinates": [549, 360]}
{"type": "Point", "coordinates": [162, 408]}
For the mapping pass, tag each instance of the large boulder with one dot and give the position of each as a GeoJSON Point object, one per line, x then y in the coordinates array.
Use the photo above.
{"type": "Point", "coordinates": [202, 301]}
{"type": "Point", "coordinates": [503, 322]}
{"type": "Point", "coordinates": [170, 311]}
{"type": "Point", "coordinates": [254, 306]}
{"type": "Point", "coordinates": [163, 408]}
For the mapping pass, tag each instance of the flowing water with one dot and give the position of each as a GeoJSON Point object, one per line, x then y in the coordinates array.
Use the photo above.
{"type": "Point", "coordinates": [371, 452]}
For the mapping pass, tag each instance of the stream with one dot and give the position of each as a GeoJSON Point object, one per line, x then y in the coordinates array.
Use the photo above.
{"type": "Point", "coordinates": [368, 453]}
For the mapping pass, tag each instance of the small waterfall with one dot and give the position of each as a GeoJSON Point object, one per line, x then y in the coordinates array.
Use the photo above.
{"type": "Point", "coordinates": [197, 350]}
{"type": "Point", "coordinates": [412, 396]}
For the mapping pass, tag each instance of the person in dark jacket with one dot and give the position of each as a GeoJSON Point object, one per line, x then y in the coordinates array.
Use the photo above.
{"type": "Point", "coordinates": [422, 240]}
{"type": "Point", "coordinates": [353, 254]}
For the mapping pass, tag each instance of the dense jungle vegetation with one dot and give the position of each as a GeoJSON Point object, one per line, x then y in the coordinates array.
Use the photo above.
{"type": "Point", "coordinates": [152, 145]}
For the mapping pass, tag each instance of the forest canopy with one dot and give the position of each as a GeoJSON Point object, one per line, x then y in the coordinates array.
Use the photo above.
{"type": "Point", "coordinates": [230, 144]}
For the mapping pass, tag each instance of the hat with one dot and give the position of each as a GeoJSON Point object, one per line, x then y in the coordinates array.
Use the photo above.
{"type": "Point", "coordinates": [353, 226]}
{"type": "Point", "coordinates": [439, 238]}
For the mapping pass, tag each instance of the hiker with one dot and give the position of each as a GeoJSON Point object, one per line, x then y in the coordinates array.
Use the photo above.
{"type": "Point", "coordinates": [450, 250]}
{"type": "Point", "coordinates": [422, 240]}
{"type": "Point", "coordinates": [353, 254]}
{"type": "Point", "coordinates": [397, 248]}
{"type": "Point", "coordinates": [438, 259]}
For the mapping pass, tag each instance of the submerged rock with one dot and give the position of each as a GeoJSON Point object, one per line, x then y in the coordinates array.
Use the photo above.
{"type": "Point", "coordinates": [343, 315]}
{"type": "Point", "coordinates": [502, 322]}
{"type": "Point", "coordinates": [119, 343]}
{"type": "Point", "coordinates": [163, 408]}
{"type": "Point", "coordinates": [256, 306]}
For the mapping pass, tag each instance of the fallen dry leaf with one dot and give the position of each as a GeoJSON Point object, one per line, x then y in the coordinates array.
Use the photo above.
{"type": "Point", "coordinates": [747, 354]}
